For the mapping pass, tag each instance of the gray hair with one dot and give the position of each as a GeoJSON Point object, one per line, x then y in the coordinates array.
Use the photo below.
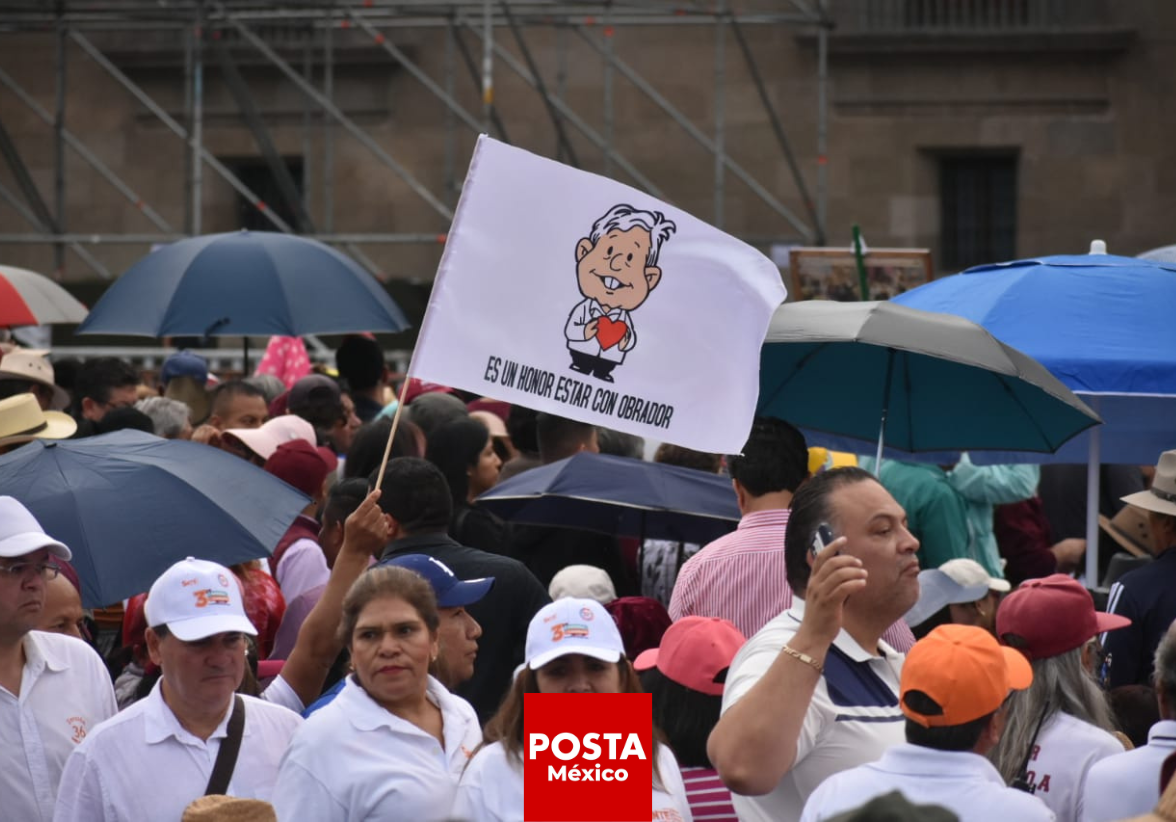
{"type": "Point", "coordinates": [624, 217]}
{"type": "Point", "coordinates": [167, 415]}
{"type": "Point", "coordinates": [1165, 667]}
{"type": "Point", "coordinates": [270, 386]}
{"type": "Point", "coordinates": [1060, 684]}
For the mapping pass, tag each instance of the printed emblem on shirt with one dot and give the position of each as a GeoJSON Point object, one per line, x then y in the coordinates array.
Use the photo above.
{"type": "Point", "coordinates": [78, 725]}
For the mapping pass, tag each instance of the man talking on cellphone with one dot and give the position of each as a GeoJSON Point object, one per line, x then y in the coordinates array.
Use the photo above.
{"type": "Point", "coordinates": [815, 692]}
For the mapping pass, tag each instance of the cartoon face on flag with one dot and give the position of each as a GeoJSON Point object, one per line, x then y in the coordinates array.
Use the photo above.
{"type": "Point", "coordinates": [616, 269]}
{"type": "Point", "coordinates": [548, 274]}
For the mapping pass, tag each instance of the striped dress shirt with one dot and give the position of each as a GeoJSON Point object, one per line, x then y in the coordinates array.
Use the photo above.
{"type": "Point", "coordinates": [709, 798]}
{"type": "Point", "coordinates": [741, 577]}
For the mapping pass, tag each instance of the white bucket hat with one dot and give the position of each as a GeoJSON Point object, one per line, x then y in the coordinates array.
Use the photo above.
{"type": "Point", "coordinates": [21, 534]}
{"type": "Point", "coordinates": [573, 626]}
{"type": "Point", "coordinates": [197, 599]}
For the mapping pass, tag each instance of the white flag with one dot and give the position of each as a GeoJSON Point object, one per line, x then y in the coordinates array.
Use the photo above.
{"type": "Point", "coordinates": [570, 293]}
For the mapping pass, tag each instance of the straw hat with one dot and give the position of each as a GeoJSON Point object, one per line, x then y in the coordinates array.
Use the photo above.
{"type": "Point", "coordinates": [22, 420]}
{"type": "Point", "coordinates": [30, 364]}
{"type": "Point", "coordinates": [1161, 497]}
{"type": "Point", "coordinates": [1130, 529]}
{"type": "Point", "coordinates": [220, 808]}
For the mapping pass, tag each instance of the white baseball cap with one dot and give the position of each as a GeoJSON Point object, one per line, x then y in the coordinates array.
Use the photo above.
{"type": "Point", "coordinates": [21, 534]}
{"type": "Point", "coordinates": [197, 599]}
{"type": "Point", "coordinates": [573, 626]}
{"type": "Point", "coordinates": [971, 572]}
{"type": "Point", "coordinates": [264, 441]}
{"type": "Point", "coordinates": [586, 581]}
{"type": "Point", "coordinates": [955, 582]}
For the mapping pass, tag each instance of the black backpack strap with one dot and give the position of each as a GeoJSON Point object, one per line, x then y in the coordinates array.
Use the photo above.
{"type": "Point", "coordinates": [226, 758]}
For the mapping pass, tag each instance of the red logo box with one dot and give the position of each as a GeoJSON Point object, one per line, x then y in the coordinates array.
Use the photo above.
{"type": "Point", "coordinates": [580, 757]}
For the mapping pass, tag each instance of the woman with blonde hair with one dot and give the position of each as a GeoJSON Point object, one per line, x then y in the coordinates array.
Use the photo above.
{"type": "Point", "coordinates": [394, 742]}
{"type": "Point", "coordinates": [591, 661]}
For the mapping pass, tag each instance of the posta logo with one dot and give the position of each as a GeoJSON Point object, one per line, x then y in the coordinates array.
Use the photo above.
{"type": "Point", "coordinates": [587, 757]}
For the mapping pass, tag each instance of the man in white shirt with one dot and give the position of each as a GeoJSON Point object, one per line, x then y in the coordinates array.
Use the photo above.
{"type": "Point", "coordinates": [158, 755]}
{"type": "Point", "coordinates": [815, 692]}
{"type": "Point", "coordinates": [1128, 784]}
{"type": "Point", "coordinates": [53, 689]}
{"type": "Point", "coordinates": [954, 685]}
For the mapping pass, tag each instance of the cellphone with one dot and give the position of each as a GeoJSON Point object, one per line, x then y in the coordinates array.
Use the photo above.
{"type": "Point", "coordinates": [822, 538]}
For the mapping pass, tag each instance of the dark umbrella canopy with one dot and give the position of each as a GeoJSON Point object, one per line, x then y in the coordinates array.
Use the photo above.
{"type": "Point", "coordinates": [619, 496]}
{"type": "Point", "coordinates": [244, 284]}
{"type": "Point", "coordinates": [129, 505]}
{"type": "Point", "coordinates": [940, 382]}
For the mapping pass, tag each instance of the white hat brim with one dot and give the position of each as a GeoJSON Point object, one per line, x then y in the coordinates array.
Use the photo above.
{"type": "Point", "coordinates": [1150, 502]}
{"type": "Point", "coordinates": [603, 654]}
{"type": "Point", "coordinates": [18, 545]}
{"type": "Point", "coordinates": [191, 630]}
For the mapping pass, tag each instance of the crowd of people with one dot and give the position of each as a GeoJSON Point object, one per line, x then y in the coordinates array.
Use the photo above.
{"type": "Point", "coordinates": [904, 639]}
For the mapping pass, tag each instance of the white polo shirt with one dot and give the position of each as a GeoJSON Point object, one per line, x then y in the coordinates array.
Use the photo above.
{"type": "Point", "coordinates": [1128, 784]}
{"type": "Point", "coordinates": [1065, 751]}
{"type": "Point", "coordinates": [142, 764]}
{"type": "Point", "coordinates": [960, 781]}
{"type": "Point", "coordinates": [354, 759]}
{"type": "Point", "coordinates": [491, 789]}
{"type": "Point", "coordinates": [852, 719]}
{"type": "Point", "coordinates": [65, 692]}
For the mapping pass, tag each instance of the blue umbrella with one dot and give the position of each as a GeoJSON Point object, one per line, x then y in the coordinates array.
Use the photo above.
{"type": "Point", "coordinates": [1102, 325]}
{"type": "Point", "coordinates": [619, 496]}
{"type": "Point", "coordinates": [129, 505]}
{"type": "Point", "coordinates": [244, 283]}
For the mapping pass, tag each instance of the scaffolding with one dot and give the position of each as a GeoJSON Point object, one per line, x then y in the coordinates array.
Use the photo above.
{"type": "Point", "coordinates": [211, 34]}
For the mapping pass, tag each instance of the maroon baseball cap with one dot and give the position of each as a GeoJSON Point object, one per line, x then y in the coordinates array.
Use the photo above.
{"type": "Point", "coordinates": [1051, 616]}
{"type": "Point", "coordinates": [417, 387]}
{"type": "Point", "coordinates": [302, 465]}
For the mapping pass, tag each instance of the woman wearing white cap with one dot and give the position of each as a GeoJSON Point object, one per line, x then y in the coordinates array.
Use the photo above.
{"type": "Point", "coordinates": [394, 742]}
{"type": "Point", "coordinates": [590, 661]}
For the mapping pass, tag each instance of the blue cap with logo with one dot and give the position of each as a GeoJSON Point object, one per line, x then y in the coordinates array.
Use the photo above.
{"type": "Point", "coordinates": [450, 591]}
{"type": "Point", "coordinates": [184, 364]}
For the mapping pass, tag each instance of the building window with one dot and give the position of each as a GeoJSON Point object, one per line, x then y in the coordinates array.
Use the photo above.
{"type": "Point", "coordinates": [257, 177]}
{"type": "Point", "coordinates": [978, 209]}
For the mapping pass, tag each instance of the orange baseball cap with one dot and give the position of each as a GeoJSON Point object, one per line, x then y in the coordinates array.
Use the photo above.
{"type": "Point", "coordinates": [965, 671]}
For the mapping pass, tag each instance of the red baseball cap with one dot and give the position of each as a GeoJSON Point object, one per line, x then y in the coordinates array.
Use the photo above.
{"type": "Point", "coordinates": [694, 651]}
{"type": "Point", "coordinates": [302, 465]}
{"type": "Point", "coordinates": [1049, 616]}
{"type": "Point", "coordinates": [416, 388]}
{"type": "Point", "coordinates": [965, 671]}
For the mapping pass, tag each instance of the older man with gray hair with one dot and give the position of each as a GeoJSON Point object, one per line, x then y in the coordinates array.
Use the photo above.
{"type": "Point", "coordinates": [170, 417]}
{"type": "Point", "coordinates": [1128, 784]}
{"type": "Point", "coordinates": [616, 269]}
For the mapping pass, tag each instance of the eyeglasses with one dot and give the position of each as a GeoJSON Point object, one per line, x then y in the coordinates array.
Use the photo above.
{"type": "Point", "coordinates": [22, 570]}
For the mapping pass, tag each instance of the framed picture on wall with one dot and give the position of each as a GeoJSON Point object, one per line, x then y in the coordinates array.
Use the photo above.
{"type": "Point", "coordinates": [832, 274]}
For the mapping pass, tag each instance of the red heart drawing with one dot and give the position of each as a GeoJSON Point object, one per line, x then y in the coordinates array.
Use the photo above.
{"type": "Point", "coordinates": [610, 332]}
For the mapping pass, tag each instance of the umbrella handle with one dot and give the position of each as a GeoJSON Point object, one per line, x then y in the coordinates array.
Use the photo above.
{"type": "Point", "coordinates": [885, 410]}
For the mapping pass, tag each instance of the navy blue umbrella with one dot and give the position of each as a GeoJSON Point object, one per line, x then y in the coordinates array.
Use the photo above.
{"type": "Point", "coordinates": [129, 505]}
{"type": "Point", "coordinates": [619, 496]}
{"type": "Point", "coordinates": [244, 284]}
